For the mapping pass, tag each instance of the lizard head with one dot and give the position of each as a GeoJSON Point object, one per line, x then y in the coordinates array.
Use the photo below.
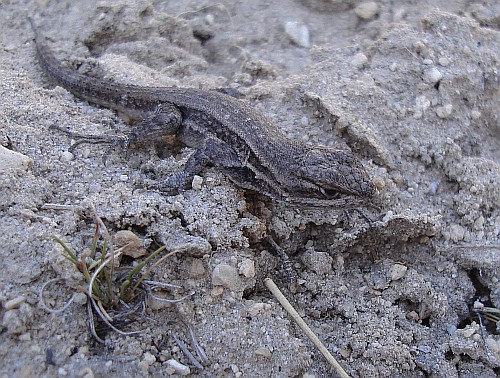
{"type": "Point", "coordinates": [331, 174]}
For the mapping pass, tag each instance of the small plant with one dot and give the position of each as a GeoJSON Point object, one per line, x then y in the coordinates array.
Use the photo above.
{"type": "Point", "coordinates": [114, 293]}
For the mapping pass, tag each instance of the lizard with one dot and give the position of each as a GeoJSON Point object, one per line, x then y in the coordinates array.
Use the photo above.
{"type": "Point", "coordinates": [226, 132]}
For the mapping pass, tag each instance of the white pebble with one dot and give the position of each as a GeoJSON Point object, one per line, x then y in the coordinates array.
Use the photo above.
{"type": "Point", "coordinates": [247, 268]}
{"type": "Point", "coordinates": [14, 303]}
{"type": "Point", "coordinates": [469, 332]}
{"type": "Point", "coordinates": [432, 75]}
{"type": "Point", "coordinates": [456, 233]}
{"type": "Point", "coordinates": [475, 114]}
{"type": "Point", "coordinates": [398, 271]}
{"type": "Point", "coordinates": [443, 61]}
{"type": "Point", "coordinates": [298, 33]}
{"type": "Point", "coordinates": [197, 182]}
{"type": "Point", "coordinates": [67, 156]}
{"type": "Point", "coordinates": [366, 11]}
{"type": "Point", "coordinates": [11, 161]}
{"type": "Point", "coordinates": [479, 223]}
{"type": "Point", "coordinates": [178, 367]}
{"type": "Point", "coordinates": [149, 358]}
{"type": "Point", "coordinates": [359, 60]}
{"type": "Point", "coordinates": [444, 111]}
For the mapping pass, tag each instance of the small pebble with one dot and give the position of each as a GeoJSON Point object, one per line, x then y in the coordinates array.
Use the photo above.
{"type": "Point", "coordinates": [197, 269]}
{"type": "Point", "coordinates": [133, 246]}
{"type": "Point", "coordinates": [258, 307]}
{"type": "Point", "coordinates": [178, 367]}
{"type": "Point", "coordinates": [443, 61]}
{"type": "Point", "coordinates": [469, 332]}
{"type": "Point", "coordinates": [398, 271]}
{"type": "Point", "coordinates": [86, 372]}
{"type": "Point", "coordinates": [263, 352]}
{"type": "Point", "coordinates": [226, 276]}
{"type": "Point", "coordinates": [11, 161]}
{"type": "Point", "coordinates": [25, 337]}
{"type": "Point", "coordinates": [359, 60]}
{"type": "Point", "coordinates": [366, 11]}
{"type": "Point", "coordinates": [319, 262]}
{"type": "Point", "coordinates": [478, 305]}
{"type": "Point", "coordinates": [298, 33]}
{"type": "Point", "coordinates": [247, 268]}
{"type": "Point", "coordinates": [197, 182]}
{"type": "Point", "coordinates": [412, 315]}
{"type": "Point", "coordinates": [67, 156]}
{"type": "Point", "coordinates": [444, 111]}
{"type": "Point", "coordinates": [14, 303]}
{"type": "Point", "coordinates": [456, 233]}
{"type": "Point", "coordinates": [149, 358]}
{"type": "Point", "coordinates": [80, 298]}
{"type": "Point", "coordinates": [13, 322]}
{"type": "Point", "coordinates": [475, 114]}
{"type": "Point", "coordinates": [432, 75]}
{"type": "Point", "coordinates": [479, 223]}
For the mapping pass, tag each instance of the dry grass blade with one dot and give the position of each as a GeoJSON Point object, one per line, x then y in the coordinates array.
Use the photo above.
{"type": "Point", "coordinates": [302, 324]}
{"type": "Point", "coordinates": [42, 301]}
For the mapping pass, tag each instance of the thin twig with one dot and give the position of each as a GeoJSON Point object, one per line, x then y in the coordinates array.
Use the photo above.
{"type": "Point", "coordinates": [42, 301]}
{"type": "Point", "coordinates": [302, 324]}
{"type": "Point", "coordinates": [90, 315]}
{"type": "Point", "coordinates": [198, 348]}
{"type": "Point", "coordinates": [186, 351]}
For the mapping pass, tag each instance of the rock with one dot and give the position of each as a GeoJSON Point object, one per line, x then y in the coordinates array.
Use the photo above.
{"type": "Point", "coordinates": [359, 60]}
{"type": "Point", "coordinates": [14, 303]}
{"type": "Point", "coordinates": [298, 33]}
{"type": "Point", "coordinates": [247, 268]}
{"type": "Point", "coordinates": [432, 75]}
{"type": "Point", "coordinates": [263, 352]}
{"type": "Point", "coordinates": [13, 322]}
{"type": "Point", "coordinates": [133, 246]}
{"type": "Point", "coordinates": [398, 271]}
{"type": "Point", "coordinates": [455, 233]}
{"type": "Point", "coordinates": [11, 161]}
{"type": "Point", "coordinates": [178, 367]}
{"type": "Point", "coordinates": [319, 262]}
{"type": "Point", "coordinates": [196, 270]}
{"type": "Point", "coordinates": [444, 111]}
{"type": "Point", "coordinates": [227, 276]}
{"type": "Point", "coordinates": [366, 11]}
{"type": "Point", "coordinates": [197, 182]}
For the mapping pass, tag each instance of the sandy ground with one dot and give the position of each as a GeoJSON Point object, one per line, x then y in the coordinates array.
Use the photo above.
{"type": "Point", "coordinates": [412, 89]}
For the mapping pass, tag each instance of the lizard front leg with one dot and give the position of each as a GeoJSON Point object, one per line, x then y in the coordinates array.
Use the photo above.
{"type": "Point", "coordinates": [210, 150]}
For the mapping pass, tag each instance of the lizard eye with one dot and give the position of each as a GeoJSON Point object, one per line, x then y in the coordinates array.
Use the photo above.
{"type": "Point", "coordinates": [330, 193]}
